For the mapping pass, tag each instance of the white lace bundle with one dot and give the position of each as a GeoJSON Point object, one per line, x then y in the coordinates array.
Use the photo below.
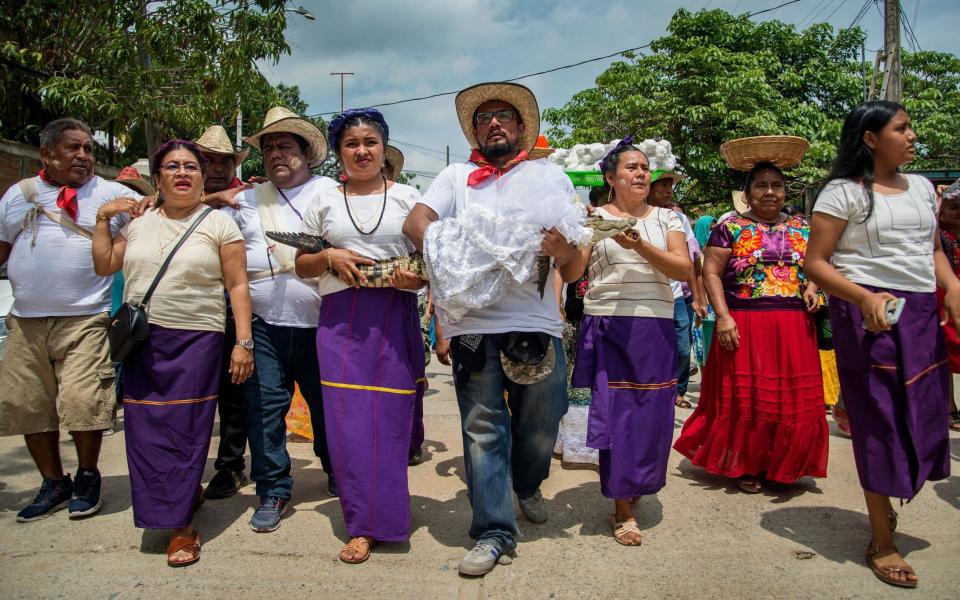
{"type": "Point", "coordinates": [475, 257]}
{"type": "Point", "coordinates": [586, 157]}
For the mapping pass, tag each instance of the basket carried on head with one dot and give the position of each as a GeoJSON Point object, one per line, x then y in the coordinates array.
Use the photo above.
{"type": "Point", "coordinates": [783, 151]}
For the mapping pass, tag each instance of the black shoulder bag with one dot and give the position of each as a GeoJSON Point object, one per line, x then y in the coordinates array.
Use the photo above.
{"type": "Point", "coordinates": [128, 326]}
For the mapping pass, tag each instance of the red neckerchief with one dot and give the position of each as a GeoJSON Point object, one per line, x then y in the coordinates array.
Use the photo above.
{"type": "Point", "coordinates": [66, 199]}
{"type": "Point", "coordinates": [486, 169]}
{"type": "Point", "coordinates": [235, 183]}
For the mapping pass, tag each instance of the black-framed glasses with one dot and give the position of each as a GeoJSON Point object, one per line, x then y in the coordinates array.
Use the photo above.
{"type": "Point", "coordinates": [172, 168]}
{"type": "Point", "coordinates": [503, 116]}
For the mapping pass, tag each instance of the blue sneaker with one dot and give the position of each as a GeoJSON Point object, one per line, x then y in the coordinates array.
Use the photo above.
{"type": "Point", "coordinates": [267, 516]}
{"type": "Point", "coordinates": [86, 498]}
{"type": "Point", "coordinates": [53, 496]}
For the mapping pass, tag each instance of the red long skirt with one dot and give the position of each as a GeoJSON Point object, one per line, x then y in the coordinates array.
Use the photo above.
{"type": "Point", "coordinates": [951, 338]}
{"type": "Point", "coordinates": [761, 406]}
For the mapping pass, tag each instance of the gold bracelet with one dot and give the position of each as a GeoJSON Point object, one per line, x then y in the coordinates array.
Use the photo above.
{"type": "Point", "coordinates": [101, 218]}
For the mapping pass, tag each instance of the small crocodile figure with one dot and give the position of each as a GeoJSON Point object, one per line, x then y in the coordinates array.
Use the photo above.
{"type": "Point", "coordinates": [377, 274]}
{"type": "Point", "coordinates": [602, 229]}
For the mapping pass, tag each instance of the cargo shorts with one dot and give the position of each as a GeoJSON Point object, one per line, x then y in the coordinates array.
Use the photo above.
{"type": "Point", "coordinates": [56, 374]}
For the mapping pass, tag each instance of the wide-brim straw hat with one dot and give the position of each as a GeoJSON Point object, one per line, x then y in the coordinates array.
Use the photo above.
{"type": "Point", "coordinates": [216, 141]}
{"type": "Point", "coordinates": [740, 203]}
{"type": "Point", "coordinates": [283, 120]}
{"type": "Point", "coordinates": [541, 149]}
{"type": "Point", "coordinates": [520, 97]}
{"type": "Point", "coordinates": [394, 162]}
{"type": "Point", "coordinates": [658, 175]}
{"type": "Point", "coordinates": [130, 177]}
{"type": "Point", "coordinates": [783, 151]}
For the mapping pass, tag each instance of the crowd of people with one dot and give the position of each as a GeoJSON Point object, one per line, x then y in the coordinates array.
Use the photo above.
{"type": "Point", "coordinates": [238, 321]}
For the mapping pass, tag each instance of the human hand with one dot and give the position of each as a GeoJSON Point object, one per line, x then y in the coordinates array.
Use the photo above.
{"type": "Point", "coordinates": [118, 206]}
{"type": "Point", "coordinates": [241, 364]}
{"type": "Point", "coordinates": [443, 351]}
{"type": "Point", "coordinates": [344, 263]}
{"type": "Point", "coordinates": [225, 197]}
{"type": "Point", "coordinates": [874, 311]}
{"type": "Point", "coordinates": [556, 246]}
{"type": "Point", "coordinates": [811, 298]}
{"type": "Point", "coordinates": [629, 240]}
{"type": "Point", "coordinates": [405, 280]}
{"type": "Point", "coordinates": [257, 179]}
{"type": "Point", "coordinates": [727, 333]}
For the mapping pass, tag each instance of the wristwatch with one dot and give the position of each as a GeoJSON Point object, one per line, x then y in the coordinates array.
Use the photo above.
{"type": "Point", "coordinates": [245, 344]}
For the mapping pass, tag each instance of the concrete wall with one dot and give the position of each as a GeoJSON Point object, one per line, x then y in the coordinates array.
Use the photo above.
{"type": "Point", "coordinates": [19, 161]}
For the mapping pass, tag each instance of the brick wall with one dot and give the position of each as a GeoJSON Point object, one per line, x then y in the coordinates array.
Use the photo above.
{"type": "Point", "coordinates": [19, 161]}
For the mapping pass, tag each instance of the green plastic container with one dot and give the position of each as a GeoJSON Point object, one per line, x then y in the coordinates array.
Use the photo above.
{"type": "Point", "coordinates": [586, 178]}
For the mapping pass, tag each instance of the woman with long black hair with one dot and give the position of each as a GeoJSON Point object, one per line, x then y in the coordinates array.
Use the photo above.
{"type": "Point", "coordinates": [873, 244]}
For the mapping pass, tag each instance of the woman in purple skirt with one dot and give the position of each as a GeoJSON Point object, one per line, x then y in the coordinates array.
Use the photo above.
{"type": "Point", "coordinates": [171, 380]}
{"type": "Point", "coordinates": [368, 340]}
{"type": "Point", "coordinates": [873, 242]}
{"type": "Point", "coordinates": [627, 352]}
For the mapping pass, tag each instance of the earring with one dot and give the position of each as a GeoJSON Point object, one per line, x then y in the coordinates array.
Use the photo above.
{"type": "Point", "coordinates": [610, 196]}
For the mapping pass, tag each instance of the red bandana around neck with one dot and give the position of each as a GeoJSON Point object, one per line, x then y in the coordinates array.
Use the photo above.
{"type": "Point", "coordinates": [487, 170]}
{"type": "Point", "coordinates": [66, 199]}
{"type": "Point", "coordinates": [235, 183]}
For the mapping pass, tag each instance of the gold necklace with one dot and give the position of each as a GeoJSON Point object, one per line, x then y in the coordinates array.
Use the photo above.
{"type": "Point", "coordinates": [163, 245]}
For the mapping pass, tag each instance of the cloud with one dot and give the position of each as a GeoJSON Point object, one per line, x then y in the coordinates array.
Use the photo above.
{"type": "Point", "coordinates": [400, 50]}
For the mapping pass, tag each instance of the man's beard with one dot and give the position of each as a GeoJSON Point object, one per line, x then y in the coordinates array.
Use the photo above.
{"type": "Point", "coordinates": [499, 150]}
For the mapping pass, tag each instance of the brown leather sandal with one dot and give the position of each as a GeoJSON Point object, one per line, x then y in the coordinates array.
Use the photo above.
{"type": "Point", "coordinates": [888, 574]}
{"type": "Point", "coordinates": [360, 547]}
{"type": "Point", "coordinates": [750, 485]}
{"type": "Point", "coordinates": [179, 543]}
{"type": "Point", "coordinates": [681, 402]}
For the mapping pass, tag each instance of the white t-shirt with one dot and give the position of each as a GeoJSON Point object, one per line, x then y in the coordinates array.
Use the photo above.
{"type": "Point", "coordinates": [190, 293]}
{"type": "Point", "coordinates": [623, 283]}
{"type": "Point", "coordinates": [327, 217]}
{"type": "Point", "coordinates": [522, 308]}
{"type": "Point", "coordinates": [894, 247]}
{"type": "Point", "coordinates": [691, 239]}
{"type": "Point", "coordinates": [284, 299]}
{"type": "Point", "coordinates": [54, 277]}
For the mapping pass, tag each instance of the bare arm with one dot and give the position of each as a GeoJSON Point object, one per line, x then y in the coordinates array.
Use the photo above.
{"type": "Point", "coordinates": [825, 232]}
{"type": "Point", "coordinates": [947, 280]}
{"type": "Point", "coordinates": [697, 289]}
{"type": "Point", "coordinates": [573, 269]}
{"type": "Point", "coordinates": [233, 264]}
{"type": "Point", "coordinates": [417, 222]}
{"type": "Point", "coordinates": [674, 262]}
{"type": "Point", "coordinates": [715, 261]}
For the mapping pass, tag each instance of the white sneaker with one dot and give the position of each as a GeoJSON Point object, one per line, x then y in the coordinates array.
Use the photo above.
{"type": "Point", "coordinates": [480, 560]}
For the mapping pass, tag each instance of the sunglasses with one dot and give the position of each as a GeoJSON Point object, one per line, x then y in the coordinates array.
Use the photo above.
{"type": "Point", "coordinates": [503, 116]}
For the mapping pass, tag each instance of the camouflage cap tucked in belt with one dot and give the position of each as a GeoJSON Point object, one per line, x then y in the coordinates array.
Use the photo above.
{"type": "Point", "coordinates": [523, 374]}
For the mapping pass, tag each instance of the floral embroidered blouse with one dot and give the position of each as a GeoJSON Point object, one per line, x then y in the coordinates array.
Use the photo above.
{"type": "Point", "coordinates": [765, 270]}
{"type": "Point", "coordinates": [951, 247]}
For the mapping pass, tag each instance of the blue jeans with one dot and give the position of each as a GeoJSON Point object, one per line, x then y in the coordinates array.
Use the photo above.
{"type": "Point", "coordinates": [681, 323]}
{"type": "Point", "coordinates": [283, 356]}
{"type": "Point", "coordinates": [505, 450]}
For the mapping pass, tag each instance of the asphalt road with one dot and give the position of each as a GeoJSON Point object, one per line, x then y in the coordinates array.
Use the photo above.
{"type": "Point", "coordinates": [703, 537]}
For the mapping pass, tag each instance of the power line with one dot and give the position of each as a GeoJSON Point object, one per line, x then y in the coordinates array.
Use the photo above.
{"type": "Point", "coordinates": [553, 70]}
{"type": "Point", "coordinates": [441, 153]}
{"type": "Point", "coordinates": [839, 6]}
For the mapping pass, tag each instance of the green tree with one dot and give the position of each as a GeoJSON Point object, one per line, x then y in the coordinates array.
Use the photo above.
{"type": "Point", "coordinates": [716, 77]}
{"type": "Point", "coordinates": [931, 90]}
{"type": "Point", "coordinates": [145, 69]}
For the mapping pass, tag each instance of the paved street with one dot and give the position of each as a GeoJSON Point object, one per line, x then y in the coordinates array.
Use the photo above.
{"type": "Point", "coordinates": [703, 538]}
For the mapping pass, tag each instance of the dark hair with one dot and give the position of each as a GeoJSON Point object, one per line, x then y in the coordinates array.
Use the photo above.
{"type": "Point", "coordinates": [52, 133]}
{"type": "Point", "coordinates": [355, 117]}
{"type": "Point", "coordinates": [301, 141]}
{"type": "Point", "coordinates": [357, 121]}
{"type": "Point", "coordinates": [752, 174]}
{"type": "Point", "coordinates": [166, 148]}
{"type": "Point", "coordinates": [611, 160]}
{"type": "Point", "coordinates": [854, 158]}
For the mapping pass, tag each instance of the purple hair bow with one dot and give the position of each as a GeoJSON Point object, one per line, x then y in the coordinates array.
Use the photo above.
{"type": "Point", "coordinates": [626, 142]}
{"type": "Point", "coordinates": [335, 130]}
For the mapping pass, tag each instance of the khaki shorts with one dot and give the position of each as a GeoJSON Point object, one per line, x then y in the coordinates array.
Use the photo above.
{"type": "Point", "coordinates": [56, 374]}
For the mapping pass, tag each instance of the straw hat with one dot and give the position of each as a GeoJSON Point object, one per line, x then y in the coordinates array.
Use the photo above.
{"type": "Point", "coordinates": [658, 175]}
{"type": "Point", "coordinates": [216, 141]}
{"type": "Point", "coordinates": [131, 178]}
{"type": "Point", "coordinates": [394, 162]}
{"type": "Point", "coordinates": [284, 120]}
{"type": "Point", "coordinates": [740, 202]}
{"type": "Point", "coordinates": [518, 96]}
{"type": "Point", "coordinates": [541, 149]}
{"type": "Point", "coordinates": [783, 151]}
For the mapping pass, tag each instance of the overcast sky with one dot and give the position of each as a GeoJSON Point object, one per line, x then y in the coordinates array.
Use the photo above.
{"type": "Point", "coordinates": [400, 50]}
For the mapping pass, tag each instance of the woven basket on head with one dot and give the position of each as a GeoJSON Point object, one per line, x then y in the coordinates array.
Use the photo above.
{"type": "Point", "coordinates": [784, 151]}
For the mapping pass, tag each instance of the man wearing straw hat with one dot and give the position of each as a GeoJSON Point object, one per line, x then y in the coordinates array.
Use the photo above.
{"type": "Point", "coordinates": [220, 186]}
{"type": "Point", "coordinates": [285, 308]}
{"type": "Point", "coordinates": [506, 449]}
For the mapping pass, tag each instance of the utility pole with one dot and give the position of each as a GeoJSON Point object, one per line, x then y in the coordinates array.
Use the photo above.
{"type": "Point", "coordinates": [239, 141]}
{"type": "Point", "coordinates": [342, 74]}
{"type": "Point", "coordinates": [892, 86]}
{"type": "Point", "coordinates": [448, 155]}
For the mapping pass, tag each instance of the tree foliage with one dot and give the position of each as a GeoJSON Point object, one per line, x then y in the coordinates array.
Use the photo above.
{"type": "Point", "coordinates": [716, 77]}
{"type": "Point", "coordinates": [931, 91]}
{"type": "Point", "coordinates": [146, 69]}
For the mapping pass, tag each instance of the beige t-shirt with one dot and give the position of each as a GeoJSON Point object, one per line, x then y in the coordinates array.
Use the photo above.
{"type": "Point", "coordinates": [623, 283]}
{"type": "Point", "coordinates": [190, 294]}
